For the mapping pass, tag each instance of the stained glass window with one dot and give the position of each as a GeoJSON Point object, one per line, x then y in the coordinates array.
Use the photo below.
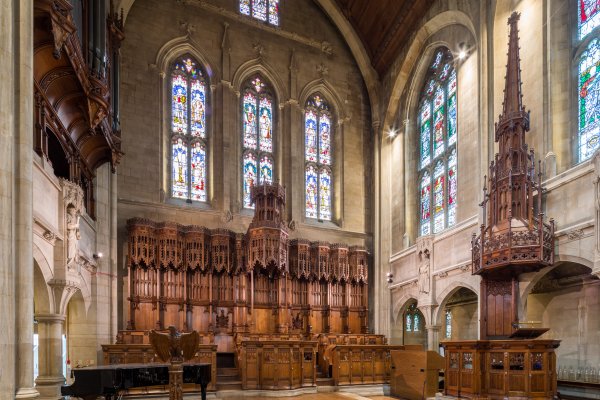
{"type": "Point", "coordinates": [425, 204]}
{"type": "Point", "coordinates": [448, 324]}
{"type": "Point", "coordinates": [438, 198]}
{"type": "Point", "coordinates": [250, 175]}
{"type": "Point", "coordinates": [257, 136]}
{"type": "Point", "coordinates": [180, 170]}
{"type": "Point", "coordinates": [198, 166]}
{"type": "Point", "coordinates": [266, 170]}
{"type": "Point", "coordinates": [188, 131]}
{"type": "Point", "coordinates": [589, 16]}
{"type": "Point", "coordinates": [438, 133]}
{"type": "Point", "coordinates": [263, 10]}
{"type": "Point", "coordinates": [318, 157]}
{"type": "Point", "coordinates": [412, 318]}
{"type": "Point", "coordinates": [589, 100]}
{"type": "Point", "coordinates": [312, 190]}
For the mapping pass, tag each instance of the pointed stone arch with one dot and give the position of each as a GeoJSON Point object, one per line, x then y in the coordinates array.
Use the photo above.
{"type": "Point", "coordinates": [324, 87]}
{"type": "Point", "coordinates": [418, 55]}
{"type": "Point", "coordinates": [446, 294]}
{"type": "Point", "coordinates": [260, 66]}
{"type": "Point", "coordinates": [185, 45]}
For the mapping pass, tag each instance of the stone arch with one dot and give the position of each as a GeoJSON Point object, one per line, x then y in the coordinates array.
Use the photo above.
{"type": "Point", "coordinates": [415, 52]}
{"type": "Point", "coordinates": [534, 278]}
{"type": "Point", "coordinates": [42, 263]}
{"type": "Point", "coordinates": [446, 294]}
{"type": "Point", "coordinates": [42, 295]}
{"type": "Point", "coordinates": [401, 304]}
{"type": "Point", "coordinates": [357, 48]}
{"type": "Point", "coordinates": [327, 89]}
{"type": "Point", "coordinates": [340, 117]}
{"type": "Point", "coordinates": [180, 46]}
{"type": "Point", "coordinates": [166, 55]}
{"type": "Point", "coordinates": [260, 66]}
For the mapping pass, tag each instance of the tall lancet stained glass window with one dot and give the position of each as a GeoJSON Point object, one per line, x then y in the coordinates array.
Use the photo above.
{"type": "Point", "coordinates": [589, 100]}
{"type": "Point", "coordinates": [262, 10]}
{"type": "Point", "coordinates": [188, 98]}
{"type": "Point", "coordinates": [437, 138]}
{"type": "Point", "coordinates": [257, 136]}
{"type": "Point", "coordinates": [318, 130]}
{"type": "Point", "coordinates": [588, 12]}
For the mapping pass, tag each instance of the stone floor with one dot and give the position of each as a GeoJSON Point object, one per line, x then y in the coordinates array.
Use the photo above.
{"type": "Point", "coordinates": [326, 396]}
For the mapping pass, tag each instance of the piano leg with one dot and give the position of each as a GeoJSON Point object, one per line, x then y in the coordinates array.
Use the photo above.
{"type": "Point", "coordinates": [203, 387]}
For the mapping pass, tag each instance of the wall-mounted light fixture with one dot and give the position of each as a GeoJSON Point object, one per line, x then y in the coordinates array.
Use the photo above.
{"type": "Point", "coordinates": [390, 277]}
{"type": "Point", "coordinates": [97, 255]}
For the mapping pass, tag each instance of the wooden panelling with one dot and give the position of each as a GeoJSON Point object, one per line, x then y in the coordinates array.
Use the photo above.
{"type": "Point", "coordinates": [361, 364]}
{"type": "Point", "coordinates": [501, 368]}
{"type": "Point", "coordinates": [277, 364]}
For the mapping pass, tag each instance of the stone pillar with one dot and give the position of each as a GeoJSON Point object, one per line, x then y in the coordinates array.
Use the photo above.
{"type": "Point", "coordinates": [433, 337]}
{"type": "Point", "coordinates": [23, 208]}
{"type": "Point", "coordinates": [50, 376]}
{"type": "Point", "coordinates": [7, 133]}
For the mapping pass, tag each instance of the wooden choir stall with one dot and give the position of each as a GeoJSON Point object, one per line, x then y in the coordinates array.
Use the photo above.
{"type": "Point", "coordinates": [263, 304]}
{"type": "Point", "coordinates": [508, 362]}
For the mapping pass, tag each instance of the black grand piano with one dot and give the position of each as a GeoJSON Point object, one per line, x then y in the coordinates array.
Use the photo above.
{"type": "Point", "coordinates": [110, 380]}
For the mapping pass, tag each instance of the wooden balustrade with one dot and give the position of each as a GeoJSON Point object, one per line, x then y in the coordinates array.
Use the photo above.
{"type": "Point", "coordinates": [277, 364]}
{"type": "Point", "coordinates": [501, 368]}
{"type": "Point", "coordinates": [327, 341]}
{"type": "Point", "coordinates": [358, 364]}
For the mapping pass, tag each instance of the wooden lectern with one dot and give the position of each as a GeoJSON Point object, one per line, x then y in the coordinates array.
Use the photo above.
{"type": "Point", "coordinates": [415, 373]}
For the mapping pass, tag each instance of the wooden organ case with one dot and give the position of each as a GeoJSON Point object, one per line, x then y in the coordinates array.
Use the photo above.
{"type": "Point", "coordinates": [220, 282]}
{"type": "Point", "coordinates": [513, 240]}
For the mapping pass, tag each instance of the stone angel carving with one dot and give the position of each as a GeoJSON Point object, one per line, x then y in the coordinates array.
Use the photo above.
{"type": "Point", "coordinates": [174, 346]}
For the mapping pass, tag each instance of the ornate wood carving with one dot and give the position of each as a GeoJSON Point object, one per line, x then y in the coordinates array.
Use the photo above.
{"type": "Point", "coordinates": [73, 96]}
{"type": "Point", "coordinates": [179, 275]}
{"type": "Point", "coordinates": [513, 238]}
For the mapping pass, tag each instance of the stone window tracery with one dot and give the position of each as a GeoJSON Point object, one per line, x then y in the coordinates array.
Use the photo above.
{"type": "Point", "coordinates": [188, 104]}
{"type": "Point", "coordinates": [318, 177]}
{"type": "Point", "coordinates": [262, 10]}
{"type": "Point", "coordinates": [257, 136]}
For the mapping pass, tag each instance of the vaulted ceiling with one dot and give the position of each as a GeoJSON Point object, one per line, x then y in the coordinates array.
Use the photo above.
{"type": "Point", "coordinates": [384, 26]}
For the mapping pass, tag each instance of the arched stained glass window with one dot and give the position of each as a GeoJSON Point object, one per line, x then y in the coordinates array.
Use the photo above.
{"type": "Point", "coordinates": [588, 16]}
{"type": "Point", "coordinates": [257, 136]}
{"type": "Point", "coordinates": [188, 130]}
{"type": "Point", "coordinates": [412, 318]}
{"type": "Point", "coordinates": [262, 10]}
{"type": "Point", "coordinates": [448, 324]}
{"type": "Point", "coordinates": [437, 121]}
{"type": "Point", "coordinates": [589, 101]}
{"type": "Point", "coordinates": [318, 158]}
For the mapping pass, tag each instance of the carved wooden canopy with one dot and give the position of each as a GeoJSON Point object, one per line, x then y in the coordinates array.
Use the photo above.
{"type": "Point", "coordinates": [513, 234]}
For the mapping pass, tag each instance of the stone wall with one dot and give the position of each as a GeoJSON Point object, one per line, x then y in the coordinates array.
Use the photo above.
{"type": "Point", "coordinates": [548, 42]}
{"type": "Point", "coordinates": [297, 59]}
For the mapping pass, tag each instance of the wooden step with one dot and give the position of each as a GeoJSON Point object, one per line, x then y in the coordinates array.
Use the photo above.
{"type": "Point", "coordinates": [227, 372]}
{"type": "Point", "coordinates": [324, 381]}
{"type": "Point", "coordinates": [227, 378]}
{"type": "Point", "coordinates": [233, 385]}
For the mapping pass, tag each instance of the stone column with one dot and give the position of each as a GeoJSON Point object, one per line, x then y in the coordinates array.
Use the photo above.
{"type": "Point", "coordinates": [433, 337]}
{"type": "Point", "coordinates": [23, 192]}
{"type": "Point", "coordinates": [7, 133]}
{"type": "Point", "coordinates": [50, 376]}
